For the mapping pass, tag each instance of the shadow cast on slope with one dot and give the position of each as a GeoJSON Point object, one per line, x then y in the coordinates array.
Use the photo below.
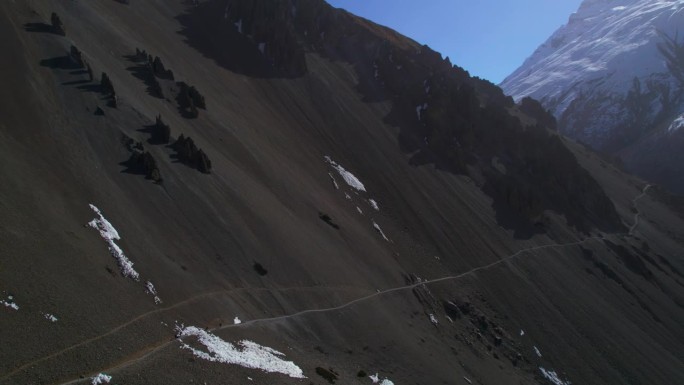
{"type": "Point", "coordinates": [60, 62]}
{"type": "Point", "coordinates": [40, 28]}
{"type": "Point", "coordinates": [141, 71]}
{"type": "Point", "coordinates": [207, 30]}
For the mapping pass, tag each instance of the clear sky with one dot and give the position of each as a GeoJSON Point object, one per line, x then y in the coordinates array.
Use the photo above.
{"type": "Point", "coordinates": [489, 38]}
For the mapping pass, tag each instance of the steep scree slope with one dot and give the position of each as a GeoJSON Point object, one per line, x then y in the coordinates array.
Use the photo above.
{"type": "Point", "coordinates": [366, 207]}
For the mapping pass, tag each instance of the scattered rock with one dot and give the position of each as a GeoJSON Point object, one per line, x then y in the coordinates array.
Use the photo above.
{"type": "Point", "coordinates": [328, 374]}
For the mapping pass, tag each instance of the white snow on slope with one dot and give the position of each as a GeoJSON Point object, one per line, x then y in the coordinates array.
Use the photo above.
{"type": "Point", "coordinates": [433, 319]}
{"type": "Point", "coordinates": [553, 377]}
{"type": "Point", "coordinates": [376, 379]}
{"type": "Point", "coordinates": [9, 302]}
{"type": "Point", "coordinates": [676, 124]}
{"type": "Point", "coordinates": [537, 352]}
{"type": "Point", "coordinates": [109, 234]}
{"type": "Point", "coordinates": [50, 317]}
{"type": "Point", "coordinates": [374, 204]}
{"type": "Point", "coordinates": [249, 354]}
{"type": "Point", "coordinates": [236, 321]}
{"type": "Point", "coordinates": [379, 230]}
{"type": "Point", "coordinates": [150, 289]}
{"type": "Point", "coordinates": [101, 379]}
{"type": "Point", "coordinates": [348, 177]}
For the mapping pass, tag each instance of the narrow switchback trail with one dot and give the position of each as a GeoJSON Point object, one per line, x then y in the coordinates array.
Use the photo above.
{"type": "Point", "coordinates": [142, 355]}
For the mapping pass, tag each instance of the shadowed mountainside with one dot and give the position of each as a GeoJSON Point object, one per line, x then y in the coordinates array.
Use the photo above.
{"type": "Point", "coordinates": [370, 208]}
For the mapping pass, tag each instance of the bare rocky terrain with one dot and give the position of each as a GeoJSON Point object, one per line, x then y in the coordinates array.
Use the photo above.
{"type": "Point", "coordinates": [500, 252]}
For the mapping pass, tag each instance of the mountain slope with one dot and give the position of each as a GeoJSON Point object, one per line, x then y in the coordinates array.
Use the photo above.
{"type": "Point", "coordinates": [286, 240]}
{"type": "Point", "coordinates": [613, 76]}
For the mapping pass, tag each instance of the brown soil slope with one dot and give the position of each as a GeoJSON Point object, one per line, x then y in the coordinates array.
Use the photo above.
{"type": "Point", "coordinates": [531, 232]}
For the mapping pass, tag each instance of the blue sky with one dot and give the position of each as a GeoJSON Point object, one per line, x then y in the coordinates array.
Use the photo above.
{"type": "Point", "coordinates": [489, 38]}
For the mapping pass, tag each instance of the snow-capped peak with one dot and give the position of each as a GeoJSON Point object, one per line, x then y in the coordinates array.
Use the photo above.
{"type": "Point", "coordinates": [584, 73]}
{"type": "Point", "coordinates": [594, 45]}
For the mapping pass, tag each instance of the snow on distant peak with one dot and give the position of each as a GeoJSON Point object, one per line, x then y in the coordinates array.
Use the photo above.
{"type": "Point", "coordinates": [101, 379]}
{"type": "Point", "coordinates": [601, 50]}
{"type": "Point", "coordinates": [348, 177]}
{"type": "Point", "coordinates": [553, 377]}
{"type": "Point", "coordinates": [109, 234]}
{"type": "Point", "coordinates": [249, 354]}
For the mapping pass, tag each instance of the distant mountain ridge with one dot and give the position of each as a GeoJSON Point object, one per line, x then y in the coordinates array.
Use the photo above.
{"type": "Point", "coordinates": [614, 78]}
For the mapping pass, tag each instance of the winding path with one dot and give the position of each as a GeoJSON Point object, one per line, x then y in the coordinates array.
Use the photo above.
{"type": "Point", "coordinates": [141, 355]}
{"type": "Point", "coordinates": [152, 350]}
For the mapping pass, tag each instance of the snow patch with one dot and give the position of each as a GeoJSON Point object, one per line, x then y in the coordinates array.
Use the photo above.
{"type": "Point", "coordinates": [433, 319]}
{"type": "Point", "coordinates": [348, 177]}
{"type": "Point", "coordinates": [236, 321]}
{"type": "Point", "coordinates": [101, 379]}
{"type": "Point", "coordinates": [347, 196]}
{"type": "Point", "coordinates": [676, 124]}
{"type": "Point", "coordinates": [379, 230]}
{"type": "Point", "coordinates": [376, 379]}
{"type": "Point", "coordinates": [50, 317]}
{"type": "Point", "coordinates": [150, 289]}
{"type": "Point", "coordinates": [238, 26]}
{"type": "Point", "coordinates": [9, 302]}
{"type": "Point", "coordinates": [359, 210]}
{"type": "Point", "coordinates": [374, 204]}
{"type": "Point", "coordinates": [553, 377]}
{"type": "Point", "coordinates": [109, 234]}
{"type": "Point", "coordinates": [262, 48]}
{"type": "Point", "coordinates": [249, 354]}
{"type": "Point", "coordinates": [537, 352]}
{"type": "Point", "coordinates": [522, 332]}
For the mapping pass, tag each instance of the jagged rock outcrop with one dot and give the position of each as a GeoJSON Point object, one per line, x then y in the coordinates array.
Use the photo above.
{"type": "Point", "coordinates": [57, 25]}
{"type": "Point", "coordinates": [191, 155]}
